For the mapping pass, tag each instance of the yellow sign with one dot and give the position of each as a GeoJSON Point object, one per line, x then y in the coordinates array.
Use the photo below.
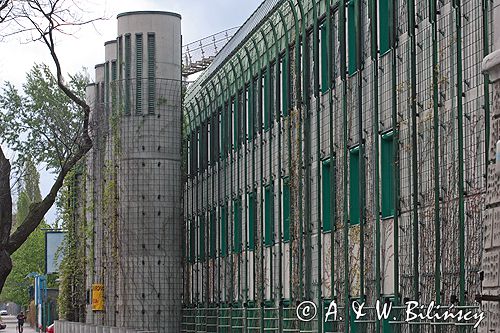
{"type": "Point", "coordinates": [97, 297]}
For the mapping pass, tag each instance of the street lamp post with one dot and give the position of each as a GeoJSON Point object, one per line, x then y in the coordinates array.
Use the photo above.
{"type": "Point", "coordinates": [40, 299]}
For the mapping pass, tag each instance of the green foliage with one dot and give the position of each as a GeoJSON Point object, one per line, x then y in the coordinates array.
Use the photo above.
{"type": "Point", "coordinates": [30, 256]}
{"type": "Point", "coordinates": [41, 122]}
{"type": "Point", "coordinates": [71, 301]}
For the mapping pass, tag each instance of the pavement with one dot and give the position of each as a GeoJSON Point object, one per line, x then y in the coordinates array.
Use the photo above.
{"type": "Point", "coordinates": [11, 322]}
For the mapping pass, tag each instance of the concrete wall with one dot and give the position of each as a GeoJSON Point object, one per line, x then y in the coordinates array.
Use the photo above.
{"type": "Point", "coordinates": [62, 326]}
{"type": "Point", "coordinates": [491, 223]}
{"type": "Point", "coordinates": [135, 177]}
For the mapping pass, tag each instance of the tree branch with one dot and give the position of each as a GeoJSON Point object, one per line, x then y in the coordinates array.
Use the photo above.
{"type": "Point", "coordinates": [3, 5]}
{"type": "Point", "coordinates": [38, 210]}
{"type": "Point", "coordinates": [5, 200]}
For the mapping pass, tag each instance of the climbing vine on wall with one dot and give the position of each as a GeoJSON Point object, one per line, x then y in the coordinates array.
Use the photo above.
{"type": "Point", "coordinates": [72, 208]}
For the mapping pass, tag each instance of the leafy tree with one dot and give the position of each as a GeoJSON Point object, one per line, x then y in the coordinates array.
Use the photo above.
{"type": "Point", "coordinates": [30, 256]}
{"type": "Point", "coordinates": [41, 21]}
{"type": "Point", "coordinates": [43, 123]}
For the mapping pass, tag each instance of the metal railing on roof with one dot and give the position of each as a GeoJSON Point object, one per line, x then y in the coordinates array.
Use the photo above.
{"type": "Point", "coordinates": [198, 55]}
{"type": "Point", "coordinates": [239, 37]}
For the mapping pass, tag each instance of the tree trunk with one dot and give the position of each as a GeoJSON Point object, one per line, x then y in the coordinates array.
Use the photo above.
{"type": "Point", "coordinates": [5, 267]}
{"type": "Point", "coordinates": [5, 217]}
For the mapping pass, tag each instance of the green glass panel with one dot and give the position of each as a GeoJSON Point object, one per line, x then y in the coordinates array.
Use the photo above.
{"type": "Point", "coordinates": [213, 234]}
{"type": "Point", "coordinates": [325, 78]}
{"type": "Point", "coordinates": [251, 221]}
{"type": "Point", "coordinates": [266, 90]}
{"type": "Point", "coordinates": [244, 114]}
{"type": "Point", "coordinates": [268, 220]}
{"type": "Point", "coordinates": [327, 196]}
{"type": "Point", "coordinates": [354, 327]}
{"type": "Point", "coordinates": [286, 210]}
{"type": "Point", "coordinates": [352, 35]}
{"type": "Point", "coordinates": [222, 131]}
{"type": "Point", "coordinates": [260, 106]}
{"type": "Point", "coordinates": [192, 241]}
{"type": "Point", "coordinates": [202, 238]}
{"type": "Point", "coordinates": [235, 125]}
{"type": "Point", "coordinates": [237, 225]}
{"type": "Point", "coordinates": [229, 130]}
{"type": "Point", "coordinates": [328, 325]}
{"type": "Point", "coordinates": [387, 172]}
{"type": "Point", "coordinates": [386, 326]}
{"type": "Point", "coordinates": [250, 111]}
{"type": "Point", "coordinates": [284, 93]}
{"type": "Point", "coordinates": [272, 95]}
{"type": "Point", "coordinates": [384, 26]}
{"type": "Point", "coordinates": [223, 231]}
{"type": "Point", "coordinates": [354, 186]}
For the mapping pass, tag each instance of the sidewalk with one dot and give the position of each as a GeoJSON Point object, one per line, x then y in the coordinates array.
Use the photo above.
{"type": "Point", "coordinates": [12, 323]}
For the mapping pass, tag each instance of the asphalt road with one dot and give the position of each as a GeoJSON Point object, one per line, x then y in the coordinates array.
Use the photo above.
{"type": "Point", "coordinates": [11, 322]}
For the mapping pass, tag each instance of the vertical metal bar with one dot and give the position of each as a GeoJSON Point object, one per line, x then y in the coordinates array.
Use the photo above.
{"type": "Point", "coordinates": [293, 207]}
{"type": "Point", "coordinates": [362, 185]}
{"type": "Point", "coordinates": [206, 215]}
{"type": "Point", "coordinates": [437, 186]}
{"type": "Point", "coordinates": [230, 217]}
{"type": "Point", "coordinates": [254, 167]}
{"type": "Point", "coordinates": [245, 142]}
{"type": "Point", "coordinates": [486, 82]}
{"type": "Point", "coordinates": [212, 196]}
{"type": "Point", "coordinates": [297, 107]}
{"type": "Point", "coordinates": [238, 110]}
{"type": "Point", "coordinates": [318, 161]}
{"type": "Point", "coordinates": [268, 91]}
{"type": "Point", "coordinates": [252, 180]}
{"type": "Point", "coordinates": [343, 73]}
{"type": "Point", "coordinates": [461, 190]}
{"type": "Point", "coordinates": [376, 212]}
{"type": "Point", "coordinates": [414, 116]}
{"type": "Point", "coordinates": [331, 77]}
{"type": "Point", "coordinates": [261, 201]}
{"type": "Point", "coordinates": [195, 216]}
{"type": "Point", "coordinates": [217, 167]}
{"type": "Point", "coordinates": [304, 113]}
{"type": "Point", "coordinates": [396, 176]}
{"type": "Point", "coordinates": [286, 63]}
{"type": "Point", "coordinates": [307, 165]}
{"type": "Point", "coordinates": [277, 117]}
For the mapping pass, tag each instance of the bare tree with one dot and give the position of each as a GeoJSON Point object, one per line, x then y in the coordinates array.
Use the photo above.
{"type": "Point", "coordinates": [5, 8]}
{"type": "Point", "coordinates": [41, 20]}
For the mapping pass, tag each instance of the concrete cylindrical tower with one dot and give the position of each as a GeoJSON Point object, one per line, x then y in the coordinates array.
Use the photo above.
{"type": "Point", "coordinates": [109, 204]}
{"type": "Point", "coordinates": [95, 182]}
{"type": "Point", "coordinates": [149, 171]}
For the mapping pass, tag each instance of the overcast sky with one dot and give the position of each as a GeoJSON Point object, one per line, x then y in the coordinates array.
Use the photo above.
{"type": "Point", "coordinates": [200, 18]}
